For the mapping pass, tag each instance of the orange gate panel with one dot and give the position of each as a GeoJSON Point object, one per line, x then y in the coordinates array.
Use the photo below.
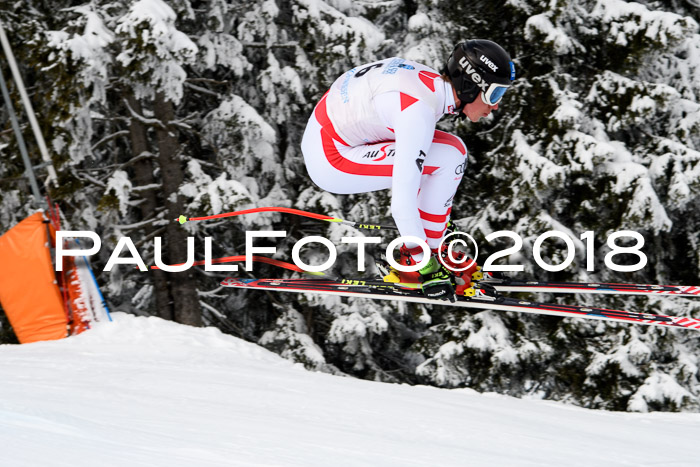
{"type": "Point", "coordinates": [28, 290]}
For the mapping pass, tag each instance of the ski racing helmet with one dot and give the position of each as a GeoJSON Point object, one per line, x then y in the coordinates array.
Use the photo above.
{"type": "Point", "coordinates": [480, 66]}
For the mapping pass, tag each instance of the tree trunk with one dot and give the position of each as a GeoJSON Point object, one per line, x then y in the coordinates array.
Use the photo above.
{"type": "Point", "coordinates": [186, 308]}
{"type": "Point", "coordinates": [143, 176]}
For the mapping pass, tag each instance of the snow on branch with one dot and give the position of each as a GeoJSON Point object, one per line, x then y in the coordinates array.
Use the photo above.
{"type": "Point", "coordinates": [155, 49]}
{"type": "Point", "coordinates": [626, 20]}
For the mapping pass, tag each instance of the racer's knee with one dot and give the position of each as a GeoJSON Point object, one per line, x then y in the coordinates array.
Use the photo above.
{"type": "Point", "coordinates": [449, 153]}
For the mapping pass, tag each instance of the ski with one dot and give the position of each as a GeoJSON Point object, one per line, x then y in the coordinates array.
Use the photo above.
{"type": "Point", "coordinates": [511, 285]}
{"type": "Point", "coordinates": [388, 291]}
{"type": "Point", "coordinates": [515, 285]}
{"type": "Point", "coordinates": [505, 285]}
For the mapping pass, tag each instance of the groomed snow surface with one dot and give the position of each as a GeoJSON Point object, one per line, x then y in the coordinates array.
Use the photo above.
{"type": "Point", "coordinates": [147, 392]}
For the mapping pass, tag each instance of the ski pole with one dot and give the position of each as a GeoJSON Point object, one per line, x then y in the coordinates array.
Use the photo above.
{"type": "Point", "coordinates": [255, 258]}
{"type": "Point", "coordinates": [359, 225]}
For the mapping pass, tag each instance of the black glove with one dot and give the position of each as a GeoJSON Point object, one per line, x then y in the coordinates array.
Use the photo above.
{"type": "Point", "coordinates": [437, 281]}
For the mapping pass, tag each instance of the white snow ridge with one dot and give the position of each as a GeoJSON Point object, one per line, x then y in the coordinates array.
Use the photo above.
{"type": "Point", "coordinates": [147, 392]}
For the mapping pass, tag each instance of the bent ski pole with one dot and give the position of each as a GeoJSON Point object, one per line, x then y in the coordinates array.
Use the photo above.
{"type": "Point", "coordinates": [255, 258]}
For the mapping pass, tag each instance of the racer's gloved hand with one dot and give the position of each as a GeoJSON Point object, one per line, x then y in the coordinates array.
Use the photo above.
{"type": "Point", "coordinates": [436, 281]}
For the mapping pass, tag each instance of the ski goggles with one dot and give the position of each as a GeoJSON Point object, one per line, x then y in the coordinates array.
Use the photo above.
{"type": "Point", "coordinates": [494, 93]}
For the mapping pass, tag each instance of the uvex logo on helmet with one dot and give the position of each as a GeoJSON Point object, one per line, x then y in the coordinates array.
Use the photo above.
{"type": "Point", "coordinates": [488, 63]}
{"type": "Point", "coordinates": [471, 72]}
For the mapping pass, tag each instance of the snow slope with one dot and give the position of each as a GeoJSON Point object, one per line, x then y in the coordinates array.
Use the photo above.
{"type": "Point", "coordinates": [147, 392]}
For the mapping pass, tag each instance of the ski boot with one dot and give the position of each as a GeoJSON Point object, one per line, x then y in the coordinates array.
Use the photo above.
{"type": "Point", "coordinates": [460, 264]}
{"type": "Point", "coordinates": [390, 274]}
{"type": "Point", "coordinates": [456, 261]}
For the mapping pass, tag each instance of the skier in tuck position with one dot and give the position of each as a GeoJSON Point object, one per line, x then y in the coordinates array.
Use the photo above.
{"type": "Point", "coordinates": [375, 129]}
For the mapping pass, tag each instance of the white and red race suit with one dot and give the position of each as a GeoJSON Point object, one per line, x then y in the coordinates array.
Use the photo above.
{"type": "Point", "coordinates": [375, 129]}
